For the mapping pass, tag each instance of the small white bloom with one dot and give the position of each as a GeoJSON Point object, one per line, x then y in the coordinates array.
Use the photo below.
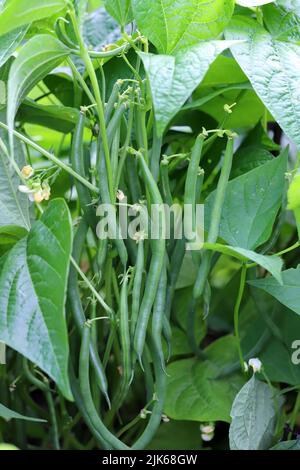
{"type": "Point", "coordinates": [256, 364]}
{"type": "Point", "coordinates": [138, 236]}
{"type": "Point", "coordinates": [165, 419]}
{"type": "Point", "coordinates": [24, 189]}
{"type": "Point", "coordinates": [207, 437]}
{"type": "Point", "coordinates": [120, 195]}
{"type": "Point", "coordinates": [46, 191]}
{"type": "Point", "coordinates": [207, 428]}
{"type": "Point", "coordinates": [38, 196]}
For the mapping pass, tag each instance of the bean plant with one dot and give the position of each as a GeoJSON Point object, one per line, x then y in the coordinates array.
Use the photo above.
{"type": "Point", "coordinates": [149, 342]}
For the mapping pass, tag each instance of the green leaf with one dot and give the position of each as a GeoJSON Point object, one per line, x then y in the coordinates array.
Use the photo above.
{"type": "Point", "coordinates": [177, 435]}
{"type": "Point", "coordinates": [81, 8]}
{"type": "Point", "coordinates": [287, 293]}
{"type": "Point", "coordinates": [9, 43]}
{"type": "Point", "coordinates": [283, 20]}
{"type": "Point", "coordinates": [192, 392]}
{"type": "Point", "coordinates": [223, 71]}
{"type": "Point", "coordinates": [33, 285]}
{"type": "Point", "coordinates": [37, 58]}
{"type": "Point", "coordinates": [253, 198]}
{"type": "Point", "coordinates": [273, 264]}
{"type": "Point", "coordinates": [14, 206]}
{"type": "Point", "coordinates": [253, 416]}
{"type": "Point", "coordinates": [120, 10]}
{"type": "Point", "coordinates": [9, 236]}
{"type": "Point", "coordinates": [99, 29]}
{"type": "Point", "coordinates": [287, 445]}
{"type": "Point", "coordinates": [249, 157]}
{"type": "Point", "coordinates": [17, 13]}
{"type": "Point", "coordinates": [60, 118]}
{"type": "Point", "coordinates": [294, 200]}
{"type": "Point", "coordinates": [174, 78]}
{"type": "Point", "coordinates": [172, 26]}
{"type": "Point", "coordinates": [273, 68]}
{"type": "Point", "coordinates": [8, 414]}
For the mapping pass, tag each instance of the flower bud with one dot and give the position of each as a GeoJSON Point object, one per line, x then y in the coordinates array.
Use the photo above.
{"type": "Point", "coordinates": [27, 171]}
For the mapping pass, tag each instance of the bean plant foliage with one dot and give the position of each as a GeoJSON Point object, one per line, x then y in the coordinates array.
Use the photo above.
{"type": "Point", "coordinates": [137, 342]}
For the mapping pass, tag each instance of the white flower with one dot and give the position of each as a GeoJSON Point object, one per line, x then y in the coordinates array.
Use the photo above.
{"type": "Point", "coordinates": [27, 171]}
{"type": "Point", "coordinates": [207, 428]}
{"type": "Point", "coordinates": [120, 195]}
{"type": "Point", "coordinates": [256, 364]}
{"type": "Point", "coordinates": [207, 437]}
{"type": "Point", "coordinates": [24, 189]}
{"type": "Point", "coordinates": [138, 236]}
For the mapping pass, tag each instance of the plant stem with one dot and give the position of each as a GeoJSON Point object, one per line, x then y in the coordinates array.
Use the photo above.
{"type": "Point", "coordinates": [81, 81]}
{"type": "Point", "coordinates": [100, 108]}
{"type": "Point", "coordinates": [280, 253]}
{"type": "Point", "coordinates": [294, 414]}
{"type": "Point", "coordinates": [92, 288]}
{"type": "Point", "coordinates": [237, 312]}
{"type": "Point", "coordinates": [53, 158]}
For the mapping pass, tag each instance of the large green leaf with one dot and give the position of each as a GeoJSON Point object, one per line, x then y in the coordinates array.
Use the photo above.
{"type": "Point", "coordinates": [174, 78]}
{"type": "Point", "coordinates": [194, 394]}
{"type": "Point", "coordinates": [273, 264]}
{"type": "Point", "coordinates": [253, 417]}
{"type": "Point", "coordinates": [8, 414]}
{"type": "Point", "coordinates": [14, 206]}
{"type": "Point", "coordinates": [120, 10]}
{"type": "Point", "coordinates": [33, 284]}
{"type": "Point", "coordinates": [176, 435]}
{"type": "Point", "coordinates": [283, 20]}
{"type": "Point", "coordinates": [171, 26]}
{"type": "Point", "coordinates": [287, 445]}
{"type": "Point", "coordinates": [99, 29]}
{"type": "Point", "coordinates": [37, 58]}
{"type": "Point", "coordinates": [288, 292]}
{"type": "Point", "coordinates": [17, 13]}
{"type": "Point", "coordinates": [273, 68]}
{"type": "Point", "coordinates": [251, 204]}
{"type": "Point", "coordinates": [9, 43]}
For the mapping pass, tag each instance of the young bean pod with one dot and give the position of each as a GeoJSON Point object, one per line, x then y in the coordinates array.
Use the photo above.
{"type": "Point", "coordinates": [159, 310]}
{"type": "Point", "coordinates": [77, 159]}
{"type": "Point", "coordinates": [84, 382]}
{"type": "Point", "coordinates": [157, 259]}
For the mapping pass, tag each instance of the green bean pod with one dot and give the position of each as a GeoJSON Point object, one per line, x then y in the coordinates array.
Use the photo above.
{"type": "Point", "coordinates": [125, 339]}
{"type": "Point", "coordinates": [105, 199]}
{"type": "Point", "coordinates": [113, 99]}
{"type": "Point", "coordinates": [190, 196]}
{"type": "Point", "coordinates": [157, 260]}
{"type": "Point", "coordinates": [137, 286]}
{"type": "Point", "coordinates": [84, 383]}
{"type": "Point", "coordinates": [215, 220]}
{"type": "Point", "coordinates": [77, 309]}
{"type": "Point", "coordinates": [159, 309]}
{"type": "Point", "coordinates": [160, 392]}
{"type": "Point", "coordinates": [77, 160]}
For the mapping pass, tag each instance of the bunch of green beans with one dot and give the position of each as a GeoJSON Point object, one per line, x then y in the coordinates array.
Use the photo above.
{"type": "Point", "coordinates": [134, 281]}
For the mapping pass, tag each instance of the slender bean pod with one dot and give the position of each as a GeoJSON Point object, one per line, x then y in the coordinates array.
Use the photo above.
{"type": "Point", "coordinates": [157, 259]}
